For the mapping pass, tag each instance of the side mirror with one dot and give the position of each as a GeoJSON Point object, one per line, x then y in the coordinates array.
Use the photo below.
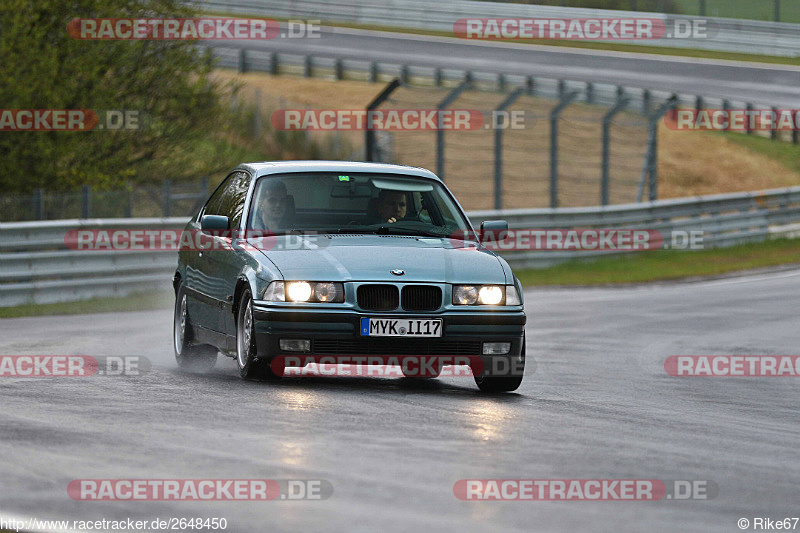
{"type": "Point", "coordinates": [213, 223]}
{"type": "Point", "coordinates": [497, 228]}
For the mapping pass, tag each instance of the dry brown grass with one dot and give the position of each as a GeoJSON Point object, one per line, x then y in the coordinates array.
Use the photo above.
{"type": "Point", "coordinates": [690, 163]}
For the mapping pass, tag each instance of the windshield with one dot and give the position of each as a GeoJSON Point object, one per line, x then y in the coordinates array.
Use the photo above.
{"type": "Point", "coordinates": [354, 203]}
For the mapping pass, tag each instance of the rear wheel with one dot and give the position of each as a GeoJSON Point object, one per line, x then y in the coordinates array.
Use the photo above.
{"type": "Point", "coordinates": [190, 357]}
{"type": "Point", "coordinates": [504, 383]}
{"type": "Point", "coordinates": [250, 365]}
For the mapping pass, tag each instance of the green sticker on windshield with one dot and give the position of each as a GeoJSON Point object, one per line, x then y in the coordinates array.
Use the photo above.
{"type": "Point", "coordinates": [344, 178]}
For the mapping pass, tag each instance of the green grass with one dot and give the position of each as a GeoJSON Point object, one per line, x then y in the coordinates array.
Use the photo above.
{"type": "Point", "coordinates": [665, 265]}
{"type": "Point", "coordinates": [785, 153]}
{"type": "Point", "coordinates": [136, 302]}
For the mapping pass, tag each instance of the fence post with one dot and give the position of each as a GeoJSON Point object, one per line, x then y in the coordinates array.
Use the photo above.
{"type": "Point", "coordinates": [498, 148]}
{"type": "Point", "coordinates": [773, 134]}
{"type": "Point", "coordinates": [86, 201]}
{"type": "Point", "coordinates": [622, 102]}
{"type": "Point", "coordinates": [566, 99]}
{"type": "Point", "coordinates": [369, 133]}
{"type": "Point", "coordinates": [444, 104]}
{"type": "Point", "coordinates": [650, 166]}
{"type": "Point", "coordinates": [166, 191]}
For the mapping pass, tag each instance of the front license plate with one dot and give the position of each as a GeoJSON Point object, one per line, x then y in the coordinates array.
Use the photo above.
{"type": "Point", "coordinates": [401, 327]}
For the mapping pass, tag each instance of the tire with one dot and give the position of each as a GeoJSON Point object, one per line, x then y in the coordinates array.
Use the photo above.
{"type": "Point", "coordinates": [190, 357]}
{"type": "Point", "coordinates": [502, 383]}
{"type": "Point", "coordinates": [250, 365]}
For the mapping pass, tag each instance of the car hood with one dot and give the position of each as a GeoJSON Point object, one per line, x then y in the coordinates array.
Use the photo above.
{"type": "Point", "coordinates": [373, 257]}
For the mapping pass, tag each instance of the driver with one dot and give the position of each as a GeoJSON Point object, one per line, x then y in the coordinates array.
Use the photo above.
{"type": "Point", "coordinates": [392, 205]}
{"type": "Point", "coordinates": [273, 211]}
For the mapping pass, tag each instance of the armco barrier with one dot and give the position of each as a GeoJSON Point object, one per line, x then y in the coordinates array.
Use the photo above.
{"type": "Point", "coordinates": [37, 267]}
{"type": "Point", "coordinates": [734, 35]}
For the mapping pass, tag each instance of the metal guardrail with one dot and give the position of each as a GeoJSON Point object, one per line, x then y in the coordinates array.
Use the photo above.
{"type": "Point", "coordinates": [734, 35]}
{"type": "Point", "coordinates": [36, 266]}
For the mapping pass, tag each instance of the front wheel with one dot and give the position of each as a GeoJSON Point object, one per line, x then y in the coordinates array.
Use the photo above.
{"type": "Point", "coordinates": [190, 357]}
{"type": "Point", "coordinates": [250, 365]}
{"type": "Point", "coordinates": [505, 383]}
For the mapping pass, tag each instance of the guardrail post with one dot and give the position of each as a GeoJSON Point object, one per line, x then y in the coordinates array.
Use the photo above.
{"type": "Point", "coordinates": [646, 96]}
{"type": "Point", "coordinates": [438, 77]}
{"type": "Point", "coordinates": [562, 88]}
{"type": "Point", "coordinates": [307, 67]}
{"type": "Point", "coordinates": [621, 104]}
{"type": "Point", "coordinates": [650, 166]}
{"type": "Point", "coordinates": [699, 103]}
{"type": "Point", "coordinates": [404, 74]}
{"type": "Point", "coordinates": [777, 10]}
{"type": "Point", "coordinates": [566, 99]}
{"type": "Point", "coordinates": [274, 64]}
{"type": "Point", "coordinates": [702, 8]}
{"type": "Point", "coordinates": [242, 64]}
{"type": "Point", "coordinates": [86, 201]}
{"type": "Point", "coordinates": [444, 104]}
{"type": "Point", "coordinates": [498, 147]}
{"type": "Point", "coordinates": [373, 71]}
{"type": "Point", "coordinates": [338, 69]}
{"type": "Point", "coordinates": [369, 133]}
{"type": "Point", "coordinates": [747, 127]}
{"type": "Point", "coordinates": [38, 204]}
{"type": "Point", "coordinates": [589, 92]}
{"type": "Point", "coordinates": [501, 83]}
{"type": "Point", "coordinates": [796, 129]}
{"type": "Point", "coordinates": [166, 191]}
{"type": "Point", "coordinates": [530, 85]}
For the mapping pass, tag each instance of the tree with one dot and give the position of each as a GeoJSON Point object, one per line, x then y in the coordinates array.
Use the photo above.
{"type": "Point", "coordinates": [44, 68]}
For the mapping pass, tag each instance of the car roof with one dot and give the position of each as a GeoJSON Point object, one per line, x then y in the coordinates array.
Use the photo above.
{"type": "Point", "coordinates": [265, 168]}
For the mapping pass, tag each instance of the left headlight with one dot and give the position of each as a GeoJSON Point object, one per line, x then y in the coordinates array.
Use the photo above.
{"type": "Point", "coordinates": [305, 291]}
{"type": "Point", "coordinates": [485, 295]}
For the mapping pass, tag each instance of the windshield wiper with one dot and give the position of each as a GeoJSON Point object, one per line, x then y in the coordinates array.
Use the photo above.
{"type": "Point", "coordinates": [394, 230]}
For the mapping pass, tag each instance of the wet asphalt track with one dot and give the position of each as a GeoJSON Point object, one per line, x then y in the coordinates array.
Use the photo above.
{"type": "Point", "coordinates": [599, 405]}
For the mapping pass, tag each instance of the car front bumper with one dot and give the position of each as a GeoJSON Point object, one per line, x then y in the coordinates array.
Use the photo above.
{"type": "Point", "coordinates": [335, 332]}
